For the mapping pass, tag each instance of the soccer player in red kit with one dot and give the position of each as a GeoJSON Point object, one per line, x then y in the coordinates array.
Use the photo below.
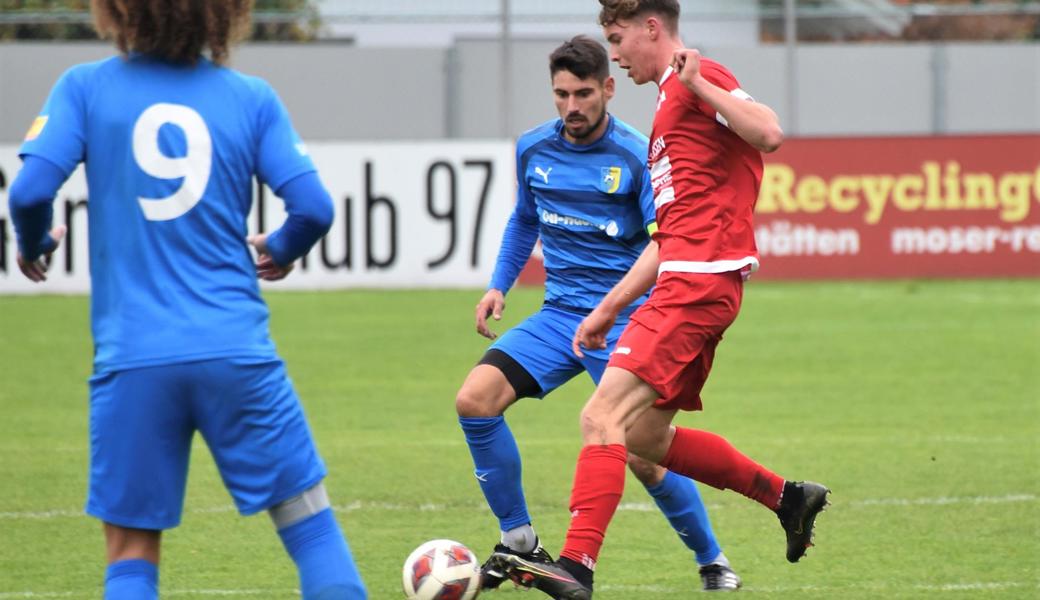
{"type": "Point", "coordinates": [706, 167]}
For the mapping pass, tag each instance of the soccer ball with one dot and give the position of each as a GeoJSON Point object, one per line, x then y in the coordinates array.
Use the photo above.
{"type": "Point", "coordinates": [441, 570]}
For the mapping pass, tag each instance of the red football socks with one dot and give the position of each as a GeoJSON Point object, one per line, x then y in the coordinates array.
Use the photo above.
{"type": "Point", "coordinates": [599, 481]}
{"type": "Point", "coordinates": [709, 458]}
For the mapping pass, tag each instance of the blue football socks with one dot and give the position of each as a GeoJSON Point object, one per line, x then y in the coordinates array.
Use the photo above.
{"type": "Point", "coordinates": [497, 462]}
{"type": "Point", "coordinates": [321, 554]}
{"type": "Point", "coordinates": [134, 579]}
{"type": "Point", "coordinates": [681, 503]}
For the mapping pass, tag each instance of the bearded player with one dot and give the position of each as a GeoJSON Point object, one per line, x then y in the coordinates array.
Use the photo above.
{"type": "Point", "coordinates": [584, 189]}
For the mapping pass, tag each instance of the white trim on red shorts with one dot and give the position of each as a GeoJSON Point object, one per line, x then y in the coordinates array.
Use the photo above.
{"type": "Point", "coordinates": [714, 266]}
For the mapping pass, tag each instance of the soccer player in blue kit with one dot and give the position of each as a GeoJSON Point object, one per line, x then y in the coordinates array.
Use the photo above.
{"type": "Point", "coordinates": [171, 140]}
{"type": "Point", "coordinates": [583, 187]}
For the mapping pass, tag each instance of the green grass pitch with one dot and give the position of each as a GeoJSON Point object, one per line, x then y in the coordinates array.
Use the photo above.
{"type": "Point", "coordinates": [918, 403]}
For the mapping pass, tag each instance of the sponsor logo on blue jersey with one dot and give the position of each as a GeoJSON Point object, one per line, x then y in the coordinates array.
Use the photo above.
{"type": "Point", "coordinates": [551, 218]}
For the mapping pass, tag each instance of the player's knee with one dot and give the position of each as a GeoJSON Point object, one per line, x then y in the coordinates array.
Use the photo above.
{"type": "Point", "coordinates": [124, 543]}
{"type": "Point", "coordinates": [596, 422]}
{"type": "Point", "coordinates": [650, 444]}
{"type": "Point", "coordinates": [648, 473]}
{"type": "Point", "coordinates": [298, 508]}
{"type": "Point", "coordinates": [470, 403]}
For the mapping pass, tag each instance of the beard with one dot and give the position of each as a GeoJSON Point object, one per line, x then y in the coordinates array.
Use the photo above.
{"type": "Point", "coordinates": [582, 129]}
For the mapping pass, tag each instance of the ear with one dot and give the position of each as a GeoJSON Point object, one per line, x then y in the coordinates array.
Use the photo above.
{"type": "Point", "coordinates": [609, 85]}
{"type": "Point", "coordinates": [653, 28]}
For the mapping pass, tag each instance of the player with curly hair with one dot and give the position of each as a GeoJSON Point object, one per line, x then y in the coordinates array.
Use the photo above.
{"type": "Point", "coordinates": [172, 141]}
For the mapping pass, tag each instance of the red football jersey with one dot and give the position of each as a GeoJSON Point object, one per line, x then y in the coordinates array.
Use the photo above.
{"type": "Point", "coordinates": [706, 180]}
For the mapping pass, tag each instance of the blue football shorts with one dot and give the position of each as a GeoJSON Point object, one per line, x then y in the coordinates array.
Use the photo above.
{"type": "Point", "coordinates": [142, 422]}
{"type": "Point", "coordinates": [542, 346]}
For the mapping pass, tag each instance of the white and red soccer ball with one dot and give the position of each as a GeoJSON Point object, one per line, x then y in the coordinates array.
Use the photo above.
{"type": "Point", "coordinates": [441, 570]}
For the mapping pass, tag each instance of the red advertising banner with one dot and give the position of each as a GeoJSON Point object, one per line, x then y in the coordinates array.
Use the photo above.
{"type": "Point", "coordinates": [966, 206]}
{"type": "Point", "coordinates": [958, 206]}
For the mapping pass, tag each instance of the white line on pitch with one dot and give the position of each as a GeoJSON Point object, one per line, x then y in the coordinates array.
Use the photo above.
{"type": "Point", "coordinates": [869, 585]}
{"type": "Point", "coordinates": [943, 500]}
{"type": "Point", "coordinates": [13, 595]}
{"type": "Point", "coordinates": [359, 505]}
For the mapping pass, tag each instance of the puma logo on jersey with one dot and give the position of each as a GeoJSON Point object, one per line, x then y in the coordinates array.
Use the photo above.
{"type": "Point", "coordinates": [660, 99]}
{"type": "Point", "coordinates": [543, 174]}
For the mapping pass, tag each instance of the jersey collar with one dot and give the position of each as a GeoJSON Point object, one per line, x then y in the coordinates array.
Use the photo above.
{"type": "Point", "coordinates": [667, 73]}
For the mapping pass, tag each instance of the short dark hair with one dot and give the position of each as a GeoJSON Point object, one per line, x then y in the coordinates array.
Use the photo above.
{"type": "Point", "coordinates": [582, 56]}
{"type": "Point", "coordinates": [616, 10]}
{"type": "Point", "coordinates": [176, 30]}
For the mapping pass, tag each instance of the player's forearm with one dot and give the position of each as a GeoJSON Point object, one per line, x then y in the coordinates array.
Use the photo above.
{"type": "Point", "coordinates": [640, 278]}
{"type": "Point", "coordinates": [310, 217]}
{"type": "Point", "coordinates": [518, 241]}
{"type": "Point", "coordinates": [755, 123]}
{"type": "Point", "coordinates": [31, 201]}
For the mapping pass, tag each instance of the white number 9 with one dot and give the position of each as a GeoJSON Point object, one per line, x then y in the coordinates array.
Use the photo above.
{"type": "Point", "coordinates": [194, 167]}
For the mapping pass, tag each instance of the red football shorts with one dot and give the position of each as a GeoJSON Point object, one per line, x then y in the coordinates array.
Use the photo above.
{"type": "Point", "coordinates": [670, 341]}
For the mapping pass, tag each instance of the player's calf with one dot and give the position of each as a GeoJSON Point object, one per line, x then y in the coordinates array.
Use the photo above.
{"type": "Point", "coordinates": [313, 539]}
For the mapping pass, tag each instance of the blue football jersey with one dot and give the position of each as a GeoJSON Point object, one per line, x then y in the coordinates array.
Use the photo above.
{"type": "Point", "coordinates": [594, 205]}
{"type": "Point", "coordinates": [170, 151]}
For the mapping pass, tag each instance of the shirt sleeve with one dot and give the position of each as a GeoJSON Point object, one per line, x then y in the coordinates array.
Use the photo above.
{"type": "Point", "coordinates": [58, 134]}
{"type": "Point", "coordinates": [519, 238]}
{"type": "Point", "coordinates": [310, 215]}
{"type": "Point", "coordinates": [281, 154]}
{"type": "Point", "coordinates": [646, 202]}
{"type": "Point", "coordinates": [32, 205]}
{"type": "Point", "coordinates": [723, 78]}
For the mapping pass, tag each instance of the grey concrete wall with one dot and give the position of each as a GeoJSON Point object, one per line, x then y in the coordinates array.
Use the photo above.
{"type": "Point", "coordinates": [27, 72]}
{"type": "Point", "coordinates": [876, 90]}
{"type": "Point", "coordinates": [993, 87]}
{"type": "Point", "coordinates": [339, 92]}
{"type": "Point", "coordinates": [332, 91]}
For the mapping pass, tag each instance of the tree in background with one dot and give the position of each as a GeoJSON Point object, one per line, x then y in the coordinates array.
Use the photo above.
{"type": "Point", "coordinates": [952, 20]}
{"type": "Point", "coordinates": [293, 20]}
{"type": "Point", "coordinates": [273, 20]}
{"type": "Point", "coordinates": [45, 20]}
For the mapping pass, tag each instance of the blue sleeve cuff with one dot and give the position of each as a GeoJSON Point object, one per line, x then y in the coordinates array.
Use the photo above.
{"type": "Point", "coordinates": [310, 217]}
{"type": "Point", "coordinates": [31, 200]}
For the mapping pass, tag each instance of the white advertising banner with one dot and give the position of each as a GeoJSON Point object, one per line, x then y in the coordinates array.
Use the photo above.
{"type": "Point", "coordinates": [418, 214]}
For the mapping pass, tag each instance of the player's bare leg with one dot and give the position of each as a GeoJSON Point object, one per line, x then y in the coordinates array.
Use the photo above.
{"type": "Point", "coordinates": [133, 561]}
{"type": "Point", "coordinates": [485, 393]}
{"type": "Point", "coordinates": [480, 403]}
{"type": "Point", "coordinates": [598, 484]}
{"type": "Point", "coordinates": [123, 543]}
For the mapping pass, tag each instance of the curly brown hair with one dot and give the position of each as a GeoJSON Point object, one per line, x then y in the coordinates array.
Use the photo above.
{"type": "Point", "coordinates": [176, 30]}
{"type": "Point", "coordinates": [617, 10]}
